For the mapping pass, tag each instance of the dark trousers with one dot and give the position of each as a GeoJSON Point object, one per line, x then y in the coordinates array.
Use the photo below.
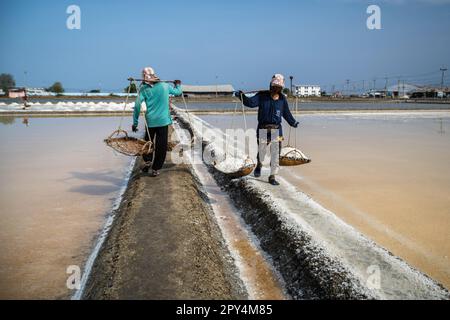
{"type": "Point", "coordinates": [158, 156]}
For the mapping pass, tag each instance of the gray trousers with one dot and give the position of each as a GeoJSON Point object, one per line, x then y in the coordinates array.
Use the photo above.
{"type": "Point", "coordinates": [273, 146]}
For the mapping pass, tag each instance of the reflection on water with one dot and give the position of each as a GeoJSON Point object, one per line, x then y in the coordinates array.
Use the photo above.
{"type": "Point", "coordinates": [7, 119]}
{"type": "Point", "coordinates": [57, 183]}
{"type": "Point", "coordinates": [441, 126]}
{"type": "Point", "coordinates": [388, 175]}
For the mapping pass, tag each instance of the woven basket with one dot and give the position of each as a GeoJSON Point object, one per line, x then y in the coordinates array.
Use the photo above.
{"type": "Point", "coordinates": [129, 146]}
{"type": "Point", "coordinates": [245, 170]}
{"type": "Point", "coordinates": [294, 158]}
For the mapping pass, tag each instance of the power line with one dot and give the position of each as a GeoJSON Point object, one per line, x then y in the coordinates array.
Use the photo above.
{"type": "Point", "coordinates": [429, 78]}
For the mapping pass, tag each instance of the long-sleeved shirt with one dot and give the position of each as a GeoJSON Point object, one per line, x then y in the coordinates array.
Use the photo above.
{"type": "Point", "coordinates": [156, 98]}
{"type": "Point", "coordinates": [270, 111]}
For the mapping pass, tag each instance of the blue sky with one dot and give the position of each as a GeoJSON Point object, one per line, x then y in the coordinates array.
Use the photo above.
{"type": "Point", "coordinates": [239, 42]}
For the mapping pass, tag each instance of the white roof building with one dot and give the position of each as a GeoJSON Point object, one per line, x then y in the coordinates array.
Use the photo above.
{"type": "Point", "coordinates": [38, 92]}
{"type": "Point", "coordinates": [220, 89]}
{"type": "Point", "coordinates": [307, 90]}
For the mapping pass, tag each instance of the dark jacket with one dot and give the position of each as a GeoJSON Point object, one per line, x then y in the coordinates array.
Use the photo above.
{"type": "Point", "coordinates": [270, 111]}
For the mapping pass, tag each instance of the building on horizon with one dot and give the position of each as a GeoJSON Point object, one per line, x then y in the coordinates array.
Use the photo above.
{"type": "Point", "coordinates": [406, 90]}
{"type": "Point", "coordinates": [307, 90]}
{"type": "Point", "coordinates": [16, 92]}
{"type": "Point", "coordinates": [37, 92]}
{"type": "Point", "coordinates": [220, 90]}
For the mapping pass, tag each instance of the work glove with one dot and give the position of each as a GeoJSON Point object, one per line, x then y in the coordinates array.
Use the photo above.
{"type": "Point", "coordinates": [134, 128]}
{"type": "Point", "coordinates": [296, 124]}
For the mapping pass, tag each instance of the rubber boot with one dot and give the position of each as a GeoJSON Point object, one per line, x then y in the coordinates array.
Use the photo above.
{"type": "Point", "coordinates": [273, 182]}
{"type": "Point", "coordinates": [257, 172]}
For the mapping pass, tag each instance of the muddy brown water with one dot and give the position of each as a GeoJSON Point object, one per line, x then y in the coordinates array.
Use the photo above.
{"type": "Point", "coordinates": [58, 183]}
{"type": "Point", "coordinates": [386, 174]}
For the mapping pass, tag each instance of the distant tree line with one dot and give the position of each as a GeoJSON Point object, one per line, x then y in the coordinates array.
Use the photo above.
{"type": "Point", "coordinates": [7, 82]}
{"type": "Point", "coordinates": [57, 88]}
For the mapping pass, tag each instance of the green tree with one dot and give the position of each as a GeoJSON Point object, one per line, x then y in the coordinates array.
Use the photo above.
{"type": "Point", "coordinates": [95, 91]}
{"type": "Point", "coordinates": [56, 88]}
{"type": "Point", "coordinates": [133, 88]}
{"type": "Point", "coordinates": [287, 91]}
{"type": "Point", "coordinates": [6, 82]}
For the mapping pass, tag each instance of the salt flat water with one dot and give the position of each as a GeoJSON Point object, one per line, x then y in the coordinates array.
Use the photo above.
{"type": "Point", "coordinates": [385, 173]}
{"type": "Point", "coordinates": [312, 106]}
{"type": "Point", "coordinates": [58, 182]}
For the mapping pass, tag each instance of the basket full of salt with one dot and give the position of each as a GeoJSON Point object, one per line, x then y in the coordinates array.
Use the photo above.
{"type": "Point", "coordinates": [292, 157]}
{"type": "Point", "coordinates": [235, 168]}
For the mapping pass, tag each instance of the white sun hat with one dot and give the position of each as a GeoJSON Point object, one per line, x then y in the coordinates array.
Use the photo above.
{"type": "Point", "coordinates": [148, 74]}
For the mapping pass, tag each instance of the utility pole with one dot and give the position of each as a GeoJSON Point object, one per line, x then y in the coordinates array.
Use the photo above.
{"type": "Point", "coordinates": [398, 88]}
{"type": "Point", "coordinates": [363, 88]}
{"type": "Point", "coordinates": [385, 86]}
{"type": "Point", "coordinates": [217, 87]}
{"type": "Point", "coordinates": [443, 69]}
{"type": "Point", "coordinates": [347, 81]}
{"type": "Point", "coordinates": [374, 84]}
{"type": "Point", "coordinates": [25, 80]}
{"type": "Point", "coordinates": [291, 77]}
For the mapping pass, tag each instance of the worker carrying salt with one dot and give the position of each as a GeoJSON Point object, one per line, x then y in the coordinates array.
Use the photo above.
{"type": "Point", "coordinates": [156, 96]}
{"type": "Point", "coordinates": [272, 107]}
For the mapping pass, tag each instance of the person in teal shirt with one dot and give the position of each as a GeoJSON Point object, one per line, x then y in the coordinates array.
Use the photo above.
{"type": "Point", "coordinates": [157, 115]}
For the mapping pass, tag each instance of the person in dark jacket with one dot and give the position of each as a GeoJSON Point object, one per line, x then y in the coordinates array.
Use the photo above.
{"type": "Point", "coordinates": [272, 108]}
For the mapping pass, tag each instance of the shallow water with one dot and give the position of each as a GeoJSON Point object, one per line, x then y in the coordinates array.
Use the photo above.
{"type": "Point", "coordinates": [386, 174]}
{"type": "Point", "coordinates": [327, 106]}
{"type": "Point", "coordinates": [58, 183]}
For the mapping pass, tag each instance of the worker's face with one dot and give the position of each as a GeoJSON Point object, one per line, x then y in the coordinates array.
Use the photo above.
{"type": "Point", "coordinates": [275, 89]}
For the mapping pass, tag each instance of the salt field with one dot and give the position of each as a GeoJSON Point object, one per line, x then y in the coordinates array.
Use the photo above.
{"type": "Point", "coordinates": [380, 176]}
{"type": "Point", "coordinates": [115, 105]}
{"type": "Point", "coordinates": [58, 184]}
{"type": "Point", "coordinates": [384, 173]}
{"type": "Point", "coordinates": [328, 106]}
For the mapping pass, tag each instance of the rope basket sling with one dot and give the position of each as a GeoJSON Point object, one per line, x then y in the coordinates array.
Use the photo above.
{"type": "Point", "coordinates": [293, 157]}
{"type": "Point", "coordinates": [130, 146]}
{"type": "Point", "coordinates": [124, 144]}
{"type": "Point", "coordinates": [249, 164]}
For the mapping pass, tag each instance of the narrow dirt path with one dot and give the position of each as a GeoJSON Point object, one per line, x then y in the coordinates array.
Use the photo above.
{"type": "Point", "coordinates": [164, 244]}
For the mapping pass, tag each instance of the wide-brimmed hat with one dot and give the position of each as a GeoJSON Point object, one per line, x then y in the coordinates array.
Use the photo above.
{"type": "Point", "coordinates": [277, 80]}
{"type": "Point", "coordinates": [148, 74]}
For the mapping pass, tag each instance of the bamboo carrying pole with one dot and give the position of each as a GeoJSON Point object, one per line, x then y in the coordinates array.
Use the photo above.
{"type": "Point", "coordinates": [133, 79]}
